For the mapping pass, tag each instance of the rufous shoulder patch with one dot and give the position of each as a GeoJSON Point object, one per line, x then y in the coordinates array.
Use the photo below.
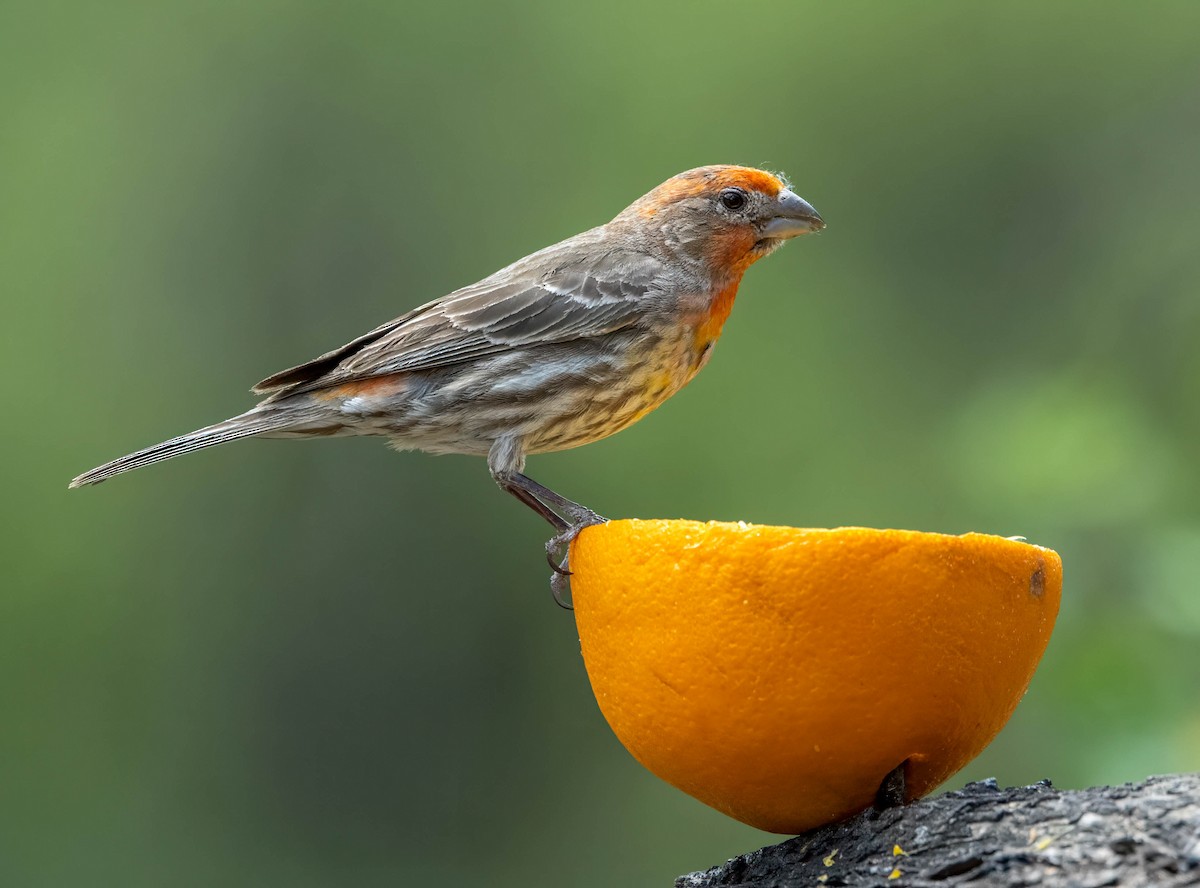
{"type": "Point", "coordinates": [374, 386]}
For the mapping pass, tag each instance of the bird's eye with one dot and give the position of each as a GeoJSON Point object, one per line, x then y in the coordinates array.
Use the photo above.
{"type": "Point", "coordinates": [733, 198]}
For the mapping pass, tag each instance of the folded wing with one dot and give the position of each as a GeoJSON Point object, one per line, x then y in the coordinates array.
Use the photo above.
{"type": "Point", "coordinates": [507, 310]}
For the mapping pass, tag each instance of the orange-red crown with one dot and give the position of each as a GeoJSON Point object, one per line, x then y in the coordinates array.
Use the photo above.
{"type": "Point", "coordinates": [709, 180]}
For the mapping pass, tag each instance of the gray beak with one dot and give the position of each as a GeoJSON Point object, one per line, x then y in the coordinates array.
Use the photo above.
{"type": "Point", "coordinates": [793, 216]}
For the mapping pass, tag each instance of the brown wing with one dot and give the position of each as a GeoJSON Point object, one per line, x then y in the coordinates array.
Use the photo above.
{"type": "Point", "coordinates": [504, 311]}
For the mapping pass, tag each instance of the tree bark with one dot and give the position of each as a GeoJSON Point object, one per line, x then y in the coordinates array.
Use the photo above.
{"type": "Point", "coordinates": [1144, 833]}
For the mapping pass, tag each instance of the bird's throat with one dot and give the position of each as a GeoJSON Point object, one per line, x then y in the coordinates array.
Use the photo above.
{"type": "Point", "coordinates": [709, 329]}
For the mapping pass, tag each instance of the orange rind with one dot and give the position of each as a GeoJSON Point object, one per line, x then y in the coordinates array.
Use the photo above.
{"type": "Point", "coordinates": [780, 674]}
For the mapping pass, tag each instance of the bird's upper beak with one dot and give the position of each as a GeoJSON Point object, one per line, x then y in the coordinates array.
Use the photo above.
{"type": "Point", "coordinates": [793, 216]}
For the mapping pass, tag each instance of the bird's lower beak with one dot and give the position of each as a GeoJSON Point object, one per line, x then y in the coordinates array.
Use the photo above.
{"type": "Point", "coordinates": [793, 216]}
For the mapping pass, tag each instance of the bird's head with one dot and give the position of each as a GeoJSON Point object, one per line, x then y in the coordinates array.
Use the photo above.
{"type": "Point", "coordinates": [727, 217]}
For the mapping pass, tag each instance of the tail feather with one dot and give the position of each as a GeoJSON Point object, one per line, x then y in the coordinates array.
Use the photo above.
{"type": "Point", "coordinates": [246, 425]}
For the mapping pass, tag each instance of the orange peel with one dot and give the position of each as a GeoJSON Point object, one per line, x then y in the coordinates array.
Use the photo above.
{"type": "Point", "coordinates": [779, 674]}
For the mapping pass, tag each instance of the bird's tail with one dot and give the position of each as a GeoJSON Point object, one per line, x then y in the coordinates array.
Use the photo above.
{"type": "Point", "coordinates": [246, 425]}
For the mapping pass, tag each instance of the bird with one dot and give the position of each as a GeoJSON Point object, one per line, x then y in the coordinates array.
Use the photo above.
{"type": "Point", "coordinates": [563, 347]}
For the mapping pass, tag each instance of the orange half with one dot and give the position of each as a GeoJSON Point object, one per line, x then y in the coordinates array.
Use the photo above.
{"type": "Point", "coordinates": [778, 674]}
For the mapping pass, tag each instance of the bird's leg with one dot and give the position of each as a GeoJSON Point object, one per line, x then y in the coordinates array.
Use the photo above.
{"type": "Point", "coordinates": [577, 516]}
{"type": "Point", "coordinates": [509, 484]}
{"type": "Point", "coordinates": [574, 518]}
{"type": "Point", "coordinates": [567, 517]}
{"type": "Point", "coordinates": [506, 459]}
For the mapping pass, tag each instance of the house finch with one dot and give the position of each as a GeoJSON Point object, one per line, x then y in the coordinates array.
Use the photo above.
{"type": "Point", "coordinates": [561, 348]}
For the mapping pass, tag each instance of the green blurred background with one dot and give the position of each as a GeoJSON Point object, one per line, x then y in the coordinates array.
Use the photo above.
{"type": "Point", "coordinates": [323, 663]}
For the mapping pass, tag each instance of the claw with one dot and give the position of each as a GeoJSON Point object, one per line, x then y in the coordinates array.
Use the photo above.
{"type": "Point", "coordinates": [559, 566]}
{"type": "Point", "coordinates": [560, 586]}
{"type": "Point", "coordinates": [564, 539]}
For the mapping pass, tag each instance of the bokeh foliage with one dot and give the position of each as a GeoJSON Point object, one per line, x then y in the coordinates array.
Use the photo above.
{"type": "Point", "coordinates": [324, 663]}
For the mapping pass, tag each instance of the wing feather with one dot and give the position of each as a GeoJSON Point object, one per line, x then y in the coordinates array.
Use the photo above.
{"type": "Point", "coordinates": [507, 310]}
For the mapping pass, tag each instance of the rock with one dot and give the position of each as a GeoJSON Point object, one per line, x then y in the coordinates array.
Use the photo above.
{"type": "Point", "coordinates": [1144, 833]}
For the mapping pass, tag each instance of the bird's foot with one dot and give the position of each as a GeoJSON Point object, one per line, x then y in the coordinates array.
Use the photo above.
{"type": "Point", "coordinates": [558, 547]}
{"type": "Point", "coordinates": [558, 554]}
